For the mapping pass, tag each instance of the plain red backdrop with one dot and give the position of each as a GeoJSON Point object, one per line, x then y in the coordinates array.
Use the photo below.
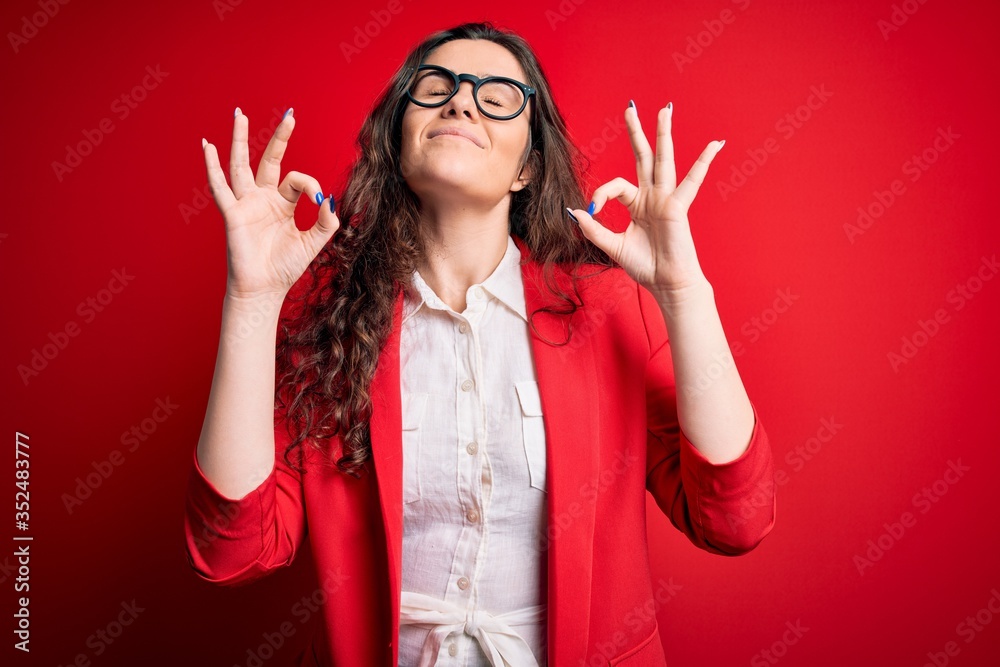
{"type": "Point", "coordinates": [817, 308]}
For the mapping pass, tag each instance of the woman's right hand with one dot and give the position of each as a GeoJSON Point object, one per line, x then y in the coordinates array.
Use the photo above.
{"type": "Point", "coordinates": [266, 251]}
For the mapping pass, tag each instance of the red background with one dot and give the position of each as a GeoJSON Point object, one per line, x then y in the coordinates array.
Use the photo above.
{"type": "Point", "coordinates": [825, 357]}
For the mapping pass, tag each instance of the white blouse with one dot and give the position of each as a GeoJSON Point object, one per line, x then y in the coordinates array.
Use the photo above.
{"type": "Point", "coordinates": [474, 584]}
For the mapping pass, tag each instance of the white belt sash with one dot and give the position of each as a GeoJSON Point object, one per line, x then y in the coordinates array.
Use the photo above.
{"type": "Point", "coordinates": [500, 643]}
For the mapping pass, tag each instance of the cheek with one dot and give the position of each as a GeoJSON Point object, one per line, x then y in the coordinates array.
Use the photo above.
{"type": "Point", "coordinates": [405, 133]}
{"type": "Point", "coordinates": [409, 129]}
{"type": "Point", "coordinates": [512, 147]}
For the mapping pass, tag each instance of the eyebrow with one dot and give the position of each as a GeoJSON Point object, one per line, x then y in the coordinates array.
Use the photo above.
{"type": "Point", "coordinates": [481, 75]}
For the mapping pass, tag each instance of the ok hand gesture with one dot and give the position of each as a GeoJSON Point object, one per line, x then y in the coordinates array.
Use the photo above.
{"type": "Point", "coordinates": [266, 252]}
{"type": "Point", "coordinates": [656, 249]}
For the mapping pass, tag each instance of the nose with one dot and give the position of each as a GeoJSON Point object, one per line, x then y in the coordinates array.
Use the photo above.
{"type": "Point", "coordinates": [463, 100]}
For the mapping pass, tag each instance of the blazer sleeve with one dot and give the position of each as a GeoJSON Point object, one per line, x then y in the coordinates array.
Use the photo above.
{"type": "Point", "coordinates": [235, 541]}
{"type": "Point", "coordinates": [726, 508]}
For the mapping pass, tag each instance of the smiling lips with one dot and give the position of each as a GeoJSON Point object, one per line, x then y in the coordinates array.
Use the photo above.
{"type": "Point", "coordinates": [456, 132]}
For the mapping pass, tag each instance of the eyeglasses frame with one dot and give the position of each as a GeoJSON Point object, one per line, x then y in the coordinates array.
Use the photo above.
{"type": "Point", "coordinates": [526, 90]}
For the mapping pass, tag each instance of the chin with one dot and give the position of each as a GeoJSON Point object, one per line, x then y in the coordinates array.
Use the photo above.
{"type": "Point", "coordinates": [451, 170]}
{"type": "Point", "coordinates": [450, 185]}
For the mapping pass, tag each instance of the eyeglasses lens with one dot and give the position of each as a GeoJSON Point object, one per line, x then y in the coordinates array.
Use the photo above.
{"type": "Point", "coordinates": [499, 98]}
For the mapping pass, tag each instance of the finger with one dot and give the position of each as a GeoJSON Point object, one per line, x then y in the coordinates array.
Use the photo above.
{"type": "Point", "coordinates": [617, 188]}
{"type": "Point", "coordinates": [327, 223]}
{"type": "Point", "coordinates": [296, 184]}
{"type": "Point", "coordinates": [599, 235]}
{"type": "Point", "coordinates": [688, 188]}
{"type": "Point", "coordinates": [239, 157]}
{"type": "Point", "coordinates": [223, 196]}
{"type": "Point", "coordinates": [269, 169]}
{"type": "Point", "coordinates": [640, 146]}
{"type": "Point", "coordinates": [664, 172]}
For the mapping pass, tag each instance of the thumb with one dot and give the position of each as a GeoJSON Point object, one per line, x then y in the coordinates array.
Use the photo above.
{"type": "Point", "coordinates": [595, 232]}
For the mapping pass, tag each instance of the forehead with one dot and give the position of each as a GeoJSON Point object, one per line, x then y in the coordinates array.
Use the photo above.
{"type": "Point", "coordinates": [476, 56]}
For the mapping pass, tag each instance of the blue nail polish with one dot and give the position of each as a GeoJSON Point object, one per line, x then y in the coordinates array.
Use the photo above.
{"type": "Point", "coordinates": [319, 198]}
{"type": "Point", "coordinates": [570, 213]}
{"type": "Point", "coordinates": [286, 113]}
{"type": "Point", "coordinates": [590, 209]}
{"type": "Point", "coordinates": [632, 104]}
{"type": "Point", "coordinates": [332, 202]}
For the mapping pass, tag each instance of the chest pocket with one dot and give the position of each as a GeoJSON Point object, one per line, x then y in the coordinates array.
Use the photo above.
{"type": "Point", "coordinates": [532, 431]}
{"type": "Point", "coordinates": [414, 408]}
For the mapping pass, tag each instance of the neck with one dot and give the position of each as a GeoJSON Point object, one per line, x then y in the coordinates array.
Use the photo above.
{"type": "Point", "coordinates": [464, 246]}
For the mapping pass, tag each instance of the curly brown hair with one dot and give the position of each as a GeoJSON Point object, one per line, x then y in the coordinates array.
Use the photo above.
{"type": "Point", "coordinates": [339, 314]}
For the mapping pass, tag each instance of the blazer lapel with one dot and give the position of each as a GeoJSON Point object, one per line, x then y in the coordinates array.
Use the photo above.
{"type": "Point", "coordinates": [567, 385]}
{"type": "Point", "coordinates": [386, 427]}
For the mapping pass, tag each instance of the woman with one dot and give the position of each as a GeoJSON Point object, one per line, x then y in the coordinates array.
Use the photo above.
{"type": "Point", "coordinates": [475, 387]}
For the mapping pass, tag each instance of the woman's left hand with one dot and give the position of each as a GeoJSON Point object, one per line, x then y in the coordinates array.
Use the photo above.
{"type": "Point", "coordinates": [656, 249]}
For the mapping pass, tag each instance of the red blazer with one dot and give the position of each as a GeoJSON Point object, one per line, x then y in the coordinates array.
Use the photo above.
{"type": "Point", "coordinates": [609, 405]}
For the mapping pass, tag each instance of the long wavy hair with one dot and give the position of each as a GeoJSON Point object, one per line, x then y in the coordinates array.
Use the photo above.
{"type": "Point", "coordinates": [339, 314]}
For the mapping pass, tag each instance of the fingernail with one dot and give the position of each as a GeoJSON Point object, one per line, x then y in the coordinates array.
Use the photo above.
{"type": "Point", "coordinates": [237, 112]}
{"type": "Point", "coordinates": [203, 142]}
{"type": "Point", "coordinates": [670, 108]}
{"type": "Point", "coordinates": [572, 216]}
{"type": "Point", "coordinates": [288, 112]}
{"type": "Point", "coordinates": [723, 144]}
{"type": "Point", "coordinates": [332, 203]}
{"type": "Point", "coordinates": [590, 209]}
{"type": "Point", "coordinates": [319, 198]}
{"type": "Point", "coordinates": [632, 104]}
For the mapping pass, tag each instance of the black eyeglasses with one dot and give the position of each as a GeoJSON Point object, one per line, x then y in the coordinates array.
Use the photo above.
{"type": "Point", "coordinates": [497, 97]}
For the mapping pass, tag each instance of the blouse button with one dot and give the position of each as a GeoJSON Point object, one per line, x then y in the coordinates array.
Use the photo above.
{"type": "Point", "coordinates": [472, 516]}
{"type": "Point", "coordinates": [452, 649]}
{"type": "Point", "coordinates": [467, 385]}
{"type": "Point", "coordinates": [463, 327]}
{"type": "Point", "coordinates": [463, 583]}
{"type": "Point", "coordinates": [472, 447]}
